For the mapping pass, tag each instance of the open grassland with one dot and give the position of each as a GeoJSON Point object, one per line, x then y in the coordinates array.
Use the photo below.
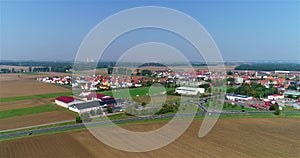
{"type": "Point", "coordinates": [141, 91]}
{"type": "Point", "coordinates": [248, 137]}
{"type": "Point", "coordinates": [142, 94]}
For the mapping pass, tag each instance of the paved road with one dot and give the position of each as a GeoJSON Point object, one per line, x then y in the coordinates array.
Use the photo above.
{"type": "Point", "coordinates": [40, 125]}
{"type": "Point", "coordinates": [69, 127]}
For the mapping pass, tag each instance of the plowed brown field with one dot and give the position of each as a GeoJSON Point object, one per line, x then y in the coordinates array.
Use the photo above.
{"type": "Point", "coordinates": [25, 103]}
{"type": "Point", "coordinates": [35, 119]}
{"type": "Point", "coordinates": [229, 138]}
{"type": "Point", "coordinates": [27, 87]}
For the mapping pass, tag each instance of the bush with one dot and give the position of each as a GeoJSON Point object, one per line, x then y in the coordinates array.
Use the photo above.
{"type": "Point", "coordinates": [277, 111]}
{"type": "Point", "coordinates": [143, 104]}
{"type": "Point", "coordinates": [109, 110]}
{"type": "Point", "coordinates": [273, 107]}
{"type": "Point", "coordinates": [168, 108]}
{"type": "Point", "coordinates": [92, 113]}
{"type": "Point", "coordinates": [98, 111]}
{"type": "Point", "coordinates": [78, 119]}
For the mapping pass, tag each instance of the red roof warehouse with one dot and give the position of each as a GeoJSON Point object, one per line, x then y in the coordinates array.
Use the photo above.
{"type": "Point", "coordinates": [99, 96]}
{"type": "Point", "coordinates": [65, 99]}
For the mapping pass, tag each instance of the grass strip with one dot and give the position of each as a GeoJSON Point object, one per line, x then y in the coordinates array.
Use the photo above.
{"type": "Point", "coordinates": [26, 111]}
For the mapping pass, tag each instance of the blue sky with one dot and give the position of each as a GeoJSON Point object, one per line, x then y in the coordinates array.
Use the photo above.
{"type": "Point", "coordinates": [243, 30]}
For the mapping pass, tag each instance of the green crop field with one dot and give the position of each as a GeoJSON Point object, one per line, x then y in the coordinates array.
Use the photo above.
{"type": "Point", "coordinates": [26, 111]}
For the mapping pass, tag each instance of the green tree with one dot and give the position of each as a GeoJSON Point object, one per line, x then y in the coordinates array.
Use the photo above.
{"type": "Point", "coordinates": [149, 83]}
{"type": "Point", "coordinates": [146, 72]}
{"type": "Point", "coordinates": [85, 117]}
{"type": "Point", "coordinates": [109, 70]}
{"type": "Point", "coordinates": [138, 72]}
{"type": "Point", "coordinates": [231, 80]}
{"type": "Point", "coordinates": [143, 104]}
{"type": "Point", "coordinates": [98, 111]}
{"type": "Point", "coordinates": [78, 119]}
{"type": "Point", "coordinates": [277, 111]}
{"type": "Point", "coordinates": [229, 73]}
{"type": "Point", "coordinates": [92, 113]}
{"type": "Point", "coordinates": [205, 86]}
{"type": "Point", "coordinates": [109, 110]}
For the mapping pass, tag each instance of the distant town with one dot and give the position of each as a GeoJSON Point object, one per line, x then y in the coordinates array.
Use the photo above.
{"type": "Point", "coordinates": [261, 90]}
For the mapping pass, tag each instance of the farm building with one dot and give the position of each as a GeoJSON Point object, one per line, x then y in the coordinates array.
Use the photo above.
{"type": "Point", "coordinates": [97, 97]}
{"type": "Point", "coordinates": [66, 101]}
{"type": "Point", "coordinates": [238, 97]}
{"type": "Point", "coordinates": [189, 90]}
{"type": "Point", "coordinates": [93, 105]}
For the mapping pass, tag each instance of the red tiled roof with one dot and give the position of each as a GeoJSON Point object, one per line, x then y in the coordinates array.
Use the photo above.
{"type": "Point", "coordinates": [95, 95]}
{"type": "Point", "coordinates": [277, 95]}
{"type": "Point", "coordinates": [65, 99]}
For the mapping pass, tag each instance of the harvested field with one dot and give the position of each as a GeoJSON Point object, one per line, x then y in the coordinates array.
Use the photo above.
{"type": "Point", "coordinates": [254, 137]}
{"type": "Point", "coordinates": [24, 103]}
{"type": "Point", "coordinates": [17, 76]}
{"type": "Point", "coordinates": [27, 87]}
{"type": "Point", "coordinates": [35, 119]}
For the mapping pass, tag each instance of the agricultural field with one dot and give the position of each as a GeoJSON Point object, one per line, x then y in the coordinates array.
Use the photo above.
{"type": "Point", "coordinates": [27, 102]}
{"type": "Point", "coordinates": [248, 137]}
{"type": "Point", "coordinates": [25, 120]}
{"type": "Point", "coordinates": [17, 104]}
{"type": "Point", "coordinates": [27, 87]}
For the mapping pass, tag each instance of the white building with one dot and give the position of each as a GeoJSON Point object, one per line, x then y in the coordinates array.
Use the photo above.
{"type": "Point", "coordinates": [189, 90]}
{"type": "Point", "coordinates": [238, 97]}
{"type": "Point", "coordinates": [276, 97]}
{"type": "Point", "coordinates": [88, 106]}
{"type": "Point", "coordinates": [238, 80]}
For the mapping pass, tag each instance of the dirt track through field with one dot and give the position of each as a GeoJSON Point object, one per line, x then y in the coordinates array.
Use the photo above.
{"type": "Point", "coordinates": [35, 119]}
{"type": "Point", "coordinates": [230, 138]}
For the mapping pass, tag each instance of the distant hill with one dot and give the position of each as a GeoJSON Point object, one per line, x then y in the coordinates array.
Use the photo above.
{"type": "Point", "coordinates": [152, 64]}
{"type": "Point", "coordinates": [270, 67]}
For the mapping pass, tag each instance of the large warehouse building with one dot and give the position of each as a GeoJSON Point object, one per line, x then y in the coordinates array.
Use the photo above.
{"type": "Point", "coordinates": [66, 101]}
{"type": "Point", "coordinates": [189, 90]}
{"type": "Point", "coordinates": [238, 97]}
